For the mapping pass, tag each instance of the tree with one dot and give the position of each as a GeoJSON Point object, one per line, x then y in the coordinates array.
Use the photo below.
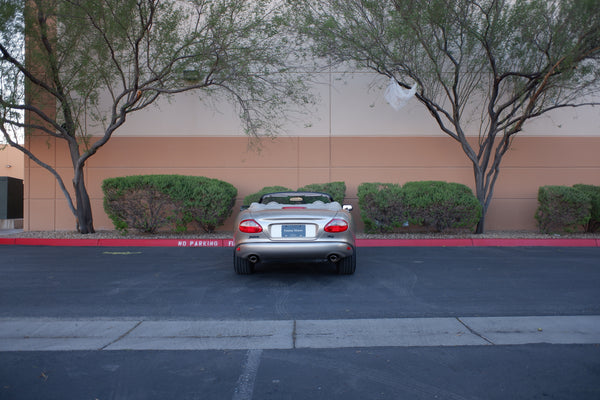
{"type": "Point", "coordinates": [483, 68]}
{"type": "Point", "coordinates": [81, 52]}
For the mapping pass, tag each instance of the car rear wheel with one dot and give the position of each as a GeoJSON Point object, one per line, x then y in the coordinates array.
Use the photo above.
{"type": "Point", "coordinates": [347, 265]}
{"type": "Point", "coordinates": [242, 266]}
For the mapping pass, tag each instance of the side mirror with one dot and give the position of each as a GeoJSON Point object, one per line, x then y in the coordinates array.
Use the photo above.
{"type": "Point", "coordinates": [347, 207]}
{"type": "Point", "coordinates": [242, 208]}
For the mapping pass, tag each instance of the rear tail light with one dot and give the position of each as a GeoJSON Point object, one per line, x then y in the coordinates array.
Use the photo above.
{"type": "Point", "coordinates": [250, 226]}
{"type": "Point", "coordinates": [336, 226]}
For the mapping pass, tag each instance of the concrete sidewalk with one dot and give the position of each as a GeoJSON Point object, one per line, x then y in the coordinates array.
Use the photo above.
{"type": "Point", "coordinates": [131, 334]}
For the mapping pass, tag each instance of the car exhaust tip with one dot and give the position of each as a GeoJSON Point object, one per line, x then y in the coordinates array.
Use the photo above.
{"type": "Point", "coordinates": [253, 259]}
{"type": "Point", "coordinates": [334, 258]}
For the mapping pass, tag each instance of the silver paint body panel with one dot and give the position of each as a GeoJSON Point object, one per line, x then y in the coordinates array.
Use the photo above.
{"type": "Point", "coordinates": [275, 218]}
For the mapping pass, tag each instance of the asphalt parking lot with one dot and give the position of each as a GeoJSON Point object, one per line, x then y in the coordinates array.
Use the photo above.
{"type": "Point", "coordinates": [199, 283]}
{"type": "Point", "coordinates": [92, 322]}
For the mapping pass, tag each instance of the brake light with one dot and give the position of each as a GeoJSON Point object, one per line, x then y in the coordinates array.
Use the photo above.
{"type": "Point", "coordinates": [294, 208]}
{"type": "Point", "coordinates": [250, 226]}
{"type": "Point", "coordinates": [336, 226]}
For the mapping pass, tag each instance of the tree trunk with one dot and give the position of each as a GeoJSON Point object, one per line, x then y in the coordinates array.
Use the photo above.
{"type": "Point", "coordinates": [83, 210]}
{"type": "Point", "coordinates": [481, 224]}
{"type": "Point", "coordinates": [85, 222]}
{"type": "Point", "coordinates": [481, 196]}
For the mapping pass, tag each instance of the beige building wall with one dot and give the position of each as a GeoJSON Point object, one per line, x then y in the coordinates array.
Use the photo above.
{"type": "Point", "coordinates": [294, 162]}
{"type": "Point", "coordinates": [352, 136]}
{"type": "Point", "coordinates": [11, 162]}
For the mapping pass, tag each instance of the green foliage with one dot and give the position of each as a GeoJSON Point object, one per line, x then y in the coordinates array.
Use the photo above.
{"type": "Point", "coordinates": [208, 202]}
{"type": "Point", "coordinates": [138, 202]}
{"type": "Point", "coordinates": [148, 203]}
{"type": "Point", "coordinates": [562, 209]}
{"type": "Point", "coordinates": [441, 205]}
{"type": "Point", "coordinates": [472, 61]}
{"type": "Point", "coordinates": [431, 204]}
{"type": "Point", "coordinates": [337, 190]}
{"type": "Point", "coordinates": [91, 63]}
{"type": "Point", "coordinates": [255, 197]}
{"type": "Point", "coordinates": [11, 82]}
{"type": "Point", "coordinates": [382, 206]}
{"type": "Point", "coordinates": [593, 192]}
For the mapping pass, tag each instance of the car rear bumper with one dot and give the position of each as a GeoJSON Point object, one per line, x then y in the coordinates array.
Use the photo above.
{"type": "Point", "coordinates": [295, 251]}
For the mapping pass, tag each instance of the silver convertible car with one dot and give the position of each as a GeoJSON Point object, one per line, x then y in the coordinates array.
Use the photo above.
{"type": "Point", "coordinates": [294, 226]}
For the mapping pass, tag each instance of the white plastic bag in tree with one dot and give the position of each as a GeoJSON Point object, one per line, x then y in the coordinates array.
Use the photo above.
{"type": "Point", "coordinates": [397, 96]}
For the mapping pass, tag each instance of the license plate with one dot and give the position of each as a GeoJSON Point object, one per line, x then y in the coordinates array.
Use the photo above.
{"type": "Point", "coordinates": [293, 231]}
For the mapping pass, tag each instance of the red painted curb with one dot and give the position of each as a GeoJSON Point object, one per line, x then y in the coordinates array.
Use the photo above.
{"type": "Point", "coordinates": [56, 242]}
{"type": "Point", "coordinates": [536, 242]}
{"type": "Point", "coordinates": [160, 243]}
{"type": "Point", "coordinates": [414, 242]}
{"type": "Point", "coordinates": [501, 242]}
{"type": "Point", "coordinates": [167, 242]}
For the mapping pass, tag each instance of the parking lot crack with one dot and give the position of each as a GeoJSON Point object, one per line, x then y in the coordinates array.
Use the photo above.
{"type": "Point", "coordinates": [474, 332]}
{"type": "Point", "coordinates": [121, 337]}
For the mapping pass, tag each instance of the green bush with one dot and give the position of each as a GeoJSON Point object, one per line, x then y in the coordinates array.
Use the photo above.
{"type": "Point", "coordinates": [138, 202]}
{"type": "Point", "coordinates": [208, 202]}
{"type": "Point", "coordinates": [337, 190]}
{"type": "Point", "coordinates": [148, 203]}
{"type": "Point", "coordinates": [382, 206]}
{"type": "Point", "coordinates": [441, 205]}
{"type": "Point", "coordinates": [562, 209]}
{"type": "Point", "coordinates": [255, 197]}
{"type": "Point", "coordinates": [593, 192]}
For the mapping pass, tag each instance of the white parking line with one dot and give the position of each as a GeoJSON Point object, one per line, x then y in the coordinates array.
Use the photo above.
{"type": "Point", "coordinates": [244, 389]}
{"type": "Point", "coordinates": [137, 334]}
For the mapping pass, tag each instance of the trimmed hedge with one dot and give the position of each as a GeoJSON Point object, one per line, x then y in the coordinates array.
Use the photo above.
{"type": "Point", "coordinates": [593, 224]}
{"type": "Point", "coordinates": [382, 206]}
{"type": "Point", "coordinates": [434, 205]}
{"type": "Point", "coordinates": [562, 209]}
{"type": "Point", "coordinates": [441, 205]}
{"type": "Point", "coordinates": [337, 190]}
{"type": "Point", "coordinates": [255, 197]}
{"type": "Point", "coordinates": [137, 202]}
{"type": "Point", "coordinates": [148, 203]}
{"type": "Point", "coordinates": [205, 201]}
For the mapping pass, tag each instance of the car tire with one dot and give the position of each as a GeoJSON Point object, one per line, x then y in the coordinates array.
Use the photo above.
{"type": "Point", "coordinates": [242, 266]}
{"type": "Point", "coordinates": [347, 265]}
